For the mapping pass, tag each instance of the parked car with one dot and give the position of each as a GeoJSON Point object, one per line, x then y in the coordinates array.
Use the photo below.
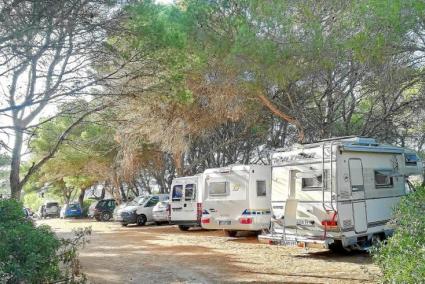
{"type": "Point", "coordinates": [160, 212]}
{"type": "Point", "coordinates": [139, 211]}
{"type": "Point", "coordinates": [71, 210]}
{"type": "Point", "coordinates": [104, 209]}
{"type": "Point", "coordinates": [49, 209]}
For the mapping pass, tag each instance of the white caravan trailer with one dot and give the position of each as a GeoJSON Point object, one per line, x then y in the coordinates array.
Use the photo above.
{"type": "Point", "coordinates": [186, 202]}
{"type": "Point", "coordinates": [237, 198]}
{"type": "Point", "coordinates": [338, 193]}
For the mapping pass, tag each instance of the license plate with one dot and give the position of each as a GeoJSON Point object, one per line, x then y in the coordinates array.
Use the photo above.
{"type": "Point", "coordinates": [224, 222]}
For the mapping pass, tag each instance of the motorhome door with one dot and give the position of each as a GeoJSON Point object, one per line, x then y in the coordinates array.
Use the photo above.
{"type": "Point", "coordinates": [189, 200]}
{"type": "Point", "coordinates": [358, 194]}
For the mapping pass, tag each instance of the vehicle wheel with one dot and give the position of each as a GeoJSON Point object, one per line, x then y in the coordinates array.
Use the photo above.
{"type": "Point", "coordinates": [141, 220]}
{"type": "Point", "coordinates": [230, 233]}
{"type": "Point", "coordinates": [337, 247]}
{"type": "Point", "coordinates": [184, 228]}
{"type": "Point", "coordinates": [124, 224]}
{"type": "Point", "coordinates": [106, 216]}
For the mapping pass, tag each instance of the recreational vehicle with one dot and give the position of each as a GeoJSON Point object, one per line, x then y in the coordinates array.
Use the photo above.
{"type": "Point", "coordinates": [338, 193]}
{"type": "Point", "coordinates": [186, 202]}
{"type": "Point", "coordinates": [237, 198]}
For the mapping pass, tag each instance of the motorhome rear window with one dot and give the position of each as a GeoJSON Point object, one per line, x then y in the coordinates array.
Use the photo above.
{"type": "Point", "coordinates": [177, 192]}
{"type": "Point", "coordinates": [189, 191]}
{"type": "Point", "coordinates": [383, 178]}
{"type": "Point", "coordinates": [411, 159]}
{"type": "Point", "coordinates": [218, 188]}
{"type": "Point", "coordinates": [261, 188]}
{"type": "Point", "coordinates": [312, 183]}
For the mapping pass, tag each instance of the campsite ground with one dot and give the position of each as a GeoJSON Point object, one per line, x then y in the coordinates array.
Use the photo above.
{"type": "Point", "coordinates": [163, 254]}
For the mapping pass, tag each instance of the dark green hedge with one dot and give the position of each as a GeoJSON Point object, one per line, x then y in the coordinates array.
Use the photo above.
{"type": "Point", "coordinates": [402, 258]}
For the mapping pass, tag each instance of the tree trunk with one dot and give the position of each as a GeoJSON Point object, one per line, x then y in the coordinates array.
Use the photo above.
{"type": "Point", "coordinates": [15, 184]}
{"type": "Point", "coordinates": [81, 197]}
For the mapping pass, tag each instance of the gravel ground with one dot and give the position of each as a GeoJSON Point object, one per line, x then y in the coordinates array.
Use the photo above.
{"type": "Point", "coordinates": [163, 254]}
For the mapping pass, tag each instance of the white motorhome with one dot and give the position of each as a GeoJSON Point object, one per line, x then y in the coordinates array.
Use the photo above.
{"type": "Point", "coordinates": [338, 193]}
{"type": "Point", "coordinates": [237, 198]}
{"type": "Point", "coordinates": [186, 198]}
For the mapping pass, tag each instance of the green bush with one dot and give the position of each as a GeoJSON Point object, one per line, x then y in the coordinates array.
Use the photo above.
{"type": "Point", "coordinates": [30, 254]}
{"type": "Point", "coordinates": [402, 258]}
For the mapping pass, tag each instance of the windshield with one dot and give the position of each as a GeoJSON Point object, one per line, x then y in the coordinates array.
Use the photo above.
{"type": "Point", "coordinates": [138, 200]}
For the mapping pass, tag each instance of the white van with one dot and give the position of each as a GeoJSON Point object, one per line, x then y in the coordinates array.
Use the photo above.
{"type": "Point", "coordinates": [186, 201]}
{"type": "Point", "coordinates": [139, 211]}
{"type": "Point", "coordinates": [237, 198]}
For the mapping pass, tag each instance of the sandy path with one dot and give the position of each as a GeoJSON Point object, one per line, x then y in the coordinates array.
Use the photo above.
{"type": "Point", "coordinates": [163, 254]}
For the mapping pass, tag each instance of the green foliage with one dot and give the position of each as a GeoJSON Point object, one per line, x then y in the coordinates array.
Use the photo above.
{"type": "Point", "coordinates": [401, 259]}
{"type": "Point", "coordinates": [32, 200]}
{"type": "Point", "coordinates": [86, 205]}
{"type": "Point", "coordinates": [30, 254]}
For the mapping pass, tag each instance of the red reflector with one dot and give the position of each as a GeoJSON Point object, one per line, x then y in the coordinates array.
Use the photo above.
{"type": "Point", "coordinates": [329, 223]}
{"type": "Point", "coordinates": [205, 221]}
{"type": "Point", "coordinates": [245, 221]}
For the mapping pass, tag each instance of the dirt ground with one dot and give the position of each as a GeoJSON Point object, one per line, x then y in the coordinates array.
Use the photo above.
{"type": "Point", "coordinates": [163, 254]}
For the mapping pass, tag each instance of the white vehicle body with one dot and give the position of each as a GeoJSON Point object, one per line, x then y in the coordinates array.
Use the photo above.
{"type": "Point", "coordinates": [139, 211]}
{"type": "Point", "coordinates": [186, 197]}
{"type": "Point", "coordinates": [160, 212]}
{"type": "Point", "coordinates": [237, 198]}
{"type": "Point", "coordinates": [338, 193]}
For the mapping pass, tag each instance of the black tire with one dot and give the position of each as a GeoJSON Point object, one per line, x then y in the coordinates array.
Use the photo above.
{"type": "Point", "coordinates": [230, 233]}
{"type": "Point", "coordinates": [337, 247]}
{"type": "Point", "coordinates": [184, 228]}
{"type": "Point", "coordinates": [106, 216]}
{"type": "Point", "coordinates": [141, 220]}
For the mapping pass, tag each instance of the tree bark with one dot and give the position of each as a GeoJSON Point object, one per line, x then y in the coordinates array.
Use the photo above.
{"type": "Point", "coordinates": [14, 178]}
{"type": "Point", "coordinates": [81, 197]}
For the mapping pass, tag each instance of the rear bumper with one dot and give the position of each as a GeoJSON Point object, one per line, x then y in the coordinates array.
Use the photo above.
{"type": "Point", "coordinates": [190, 223]}
{"type": "Point", "coordinates": [126, 218]}
{"type": "Point", "coordinates": [291, 240]}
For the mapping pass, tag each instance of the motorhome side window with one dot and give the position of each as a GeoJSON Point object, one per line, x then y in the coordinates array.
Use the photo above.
{"type": "Point", "coordinates": [261, 188]}
{"type": "Point", "coordinates": [411, 159]}
{"type": "Point", "coordinates": [218, 188]}
{"type": "Point", "coordinates": [189, 191]}
{"type": "Point", "coordinates": [177, 192]}
{"type": "Point", "coordinates": [383, 178]}
{"type": "Point", "coordinates": [312, 183]}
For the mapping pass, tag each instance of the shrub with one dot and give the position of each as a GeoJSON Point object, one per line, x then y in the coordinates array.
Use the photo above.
{"type": "Point", "coordinates": [86, 206]}
{"type": "Point", "coordinates": [402, 258]}
{"type": "Point", "coordinates": [30, 254]}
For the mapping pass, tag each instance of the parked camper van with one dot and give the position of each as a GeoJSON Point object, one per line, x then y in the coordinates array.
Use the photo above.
{"type": "Point", "coordinates": [237, 198]}
{"type": "Point", "coordinates": [186, 201]}
{"type": "Point", "coordinates": [338, 193]}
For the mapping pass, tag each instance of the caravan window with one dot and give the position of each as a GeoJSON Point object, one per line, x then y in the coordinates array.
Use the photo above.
{"type": "Point", "coordinates": [189, 192]}
{"type": "Point", "coordinates": [177, 192]}
{"type": "Point", "coordinates": [261, 188]}
{"type": "Point", "coordinates": [411, 159]}
{"type": "Point", "coordinates": [218, 188]}
{"type": "Point", "coordinates": [383, 178]}
{"type": "Point", "coordinates": [312, 183]}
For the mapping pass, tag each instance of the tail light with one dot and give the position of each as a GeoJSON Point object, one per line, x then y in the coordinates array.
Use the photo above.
{"type": "Point", "coordinates": [332, 223]}
{"type": "Point", "coordinates": [199, 211]}
{"type": "Point", "coordinates": [245, 221]}
{"type": "Point", "coordinates": [205, 221]}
